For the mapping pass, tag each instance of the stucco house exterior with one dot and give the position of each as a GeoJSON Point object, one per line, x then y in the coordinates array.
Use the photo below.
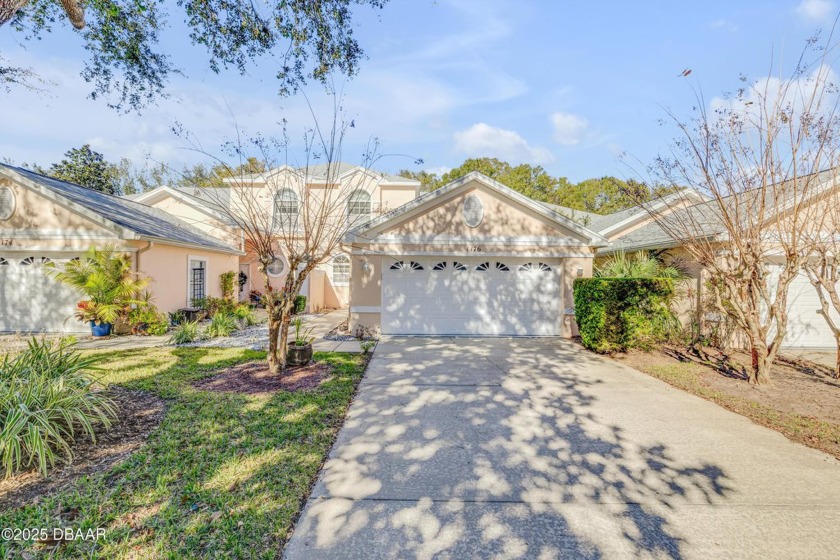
{"type": "Point", "coordinates": [281, 191]}
{"type": "Point", "coordinates": [634, 230]}
{"type": "Point", "coordinates": [473, 257]}
{"type": "Point", "coordinates": [43, 219]}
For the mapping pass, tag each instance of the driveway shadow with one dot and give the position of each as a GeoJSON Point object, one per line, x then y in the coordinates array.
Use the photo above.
{"type": "Point", "coordinates": [488, 447]}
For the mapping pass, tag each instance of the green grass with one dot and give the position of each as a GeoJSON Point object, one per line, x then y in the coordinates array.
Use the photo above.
{"type": "Point", "coordinates": [223, 476]}
{"type": "Point", "coordinates": [803, 429]}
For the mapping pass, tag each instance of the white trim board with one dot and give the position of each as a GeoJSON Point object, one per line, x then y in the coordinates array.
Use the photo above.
{"type": "Point", "coordinates": [368, 232]}
{"type": "Point", "coordinates": [524, 255]}
{"type": "Point", "coordinates": [365, 309]}
{"type": "Point", "coordinates": [496, 240]}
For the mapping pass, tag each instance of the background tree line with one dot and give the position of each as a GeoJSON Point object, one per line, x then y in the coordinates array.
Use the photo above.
{"type": "Point", "coordinates": [604, 195]}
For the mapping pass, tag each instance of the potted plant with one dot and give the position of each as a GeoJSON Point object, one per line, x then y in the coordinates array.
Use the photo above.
{"type": "Point", "coordinates": [107, 279]}
{"type": "Point", "coordinates": [100, 320]}
{"type": "Point", "coordinates": [300, 349]}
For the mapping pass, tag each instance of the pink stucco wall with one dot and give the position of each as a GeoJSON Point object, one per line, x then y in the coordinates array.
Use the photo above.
{"type": "Point", "coordinates": [167, 266]}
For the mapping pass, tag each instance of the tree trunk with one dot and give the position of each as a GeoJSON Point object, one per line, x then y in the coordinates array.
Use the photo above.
{"type": "Point", "coordinates": [837, 360]}
{"type": "Point", "coordinates": [284, 335]}
{"type": "Point", "coordinates": [8, 9]}
{"type": "Point", "coordinates": [275, 363]}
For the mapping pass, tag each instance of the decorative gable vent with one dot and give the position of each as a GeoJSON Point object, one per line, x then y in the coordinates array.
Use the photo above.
{"type": "Point", "coordinates": [473, 210]}
{"type": "Point", "coordinates": [7, 203]}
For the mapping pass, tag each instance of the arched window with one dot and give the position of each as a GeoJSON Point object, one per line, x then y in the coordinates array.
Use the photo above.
{"type": "Point", "coordinates": [285, 209]}
{"type": "Point", "coordinates": [341, 269]}
{"type": "Point", "coordinates": [358, 207]}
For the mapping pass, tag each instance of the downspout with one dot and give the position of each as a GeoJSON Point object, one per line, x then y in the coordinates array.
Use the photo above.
{"type": "Point", "coordinates": [149, 245]}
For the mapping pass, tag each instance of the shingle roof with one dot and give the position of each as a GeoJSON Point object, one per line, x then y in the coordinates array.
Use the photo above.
{"type": "Point", "coordinates": [320, 171]}
{"type": "Point", "coordinates": [134, 216]}
{"type": "Point", "coordinates": [579, 216]}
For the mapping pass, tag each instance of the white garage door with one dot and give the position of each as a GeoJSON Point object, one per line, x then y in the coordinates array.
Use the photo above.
{"type": "Point", "coordinates": [31, 301]}
{"type": "Point", "coordinates": [471, 296]}
{"type": "Point", "coordinates": [806, 327]}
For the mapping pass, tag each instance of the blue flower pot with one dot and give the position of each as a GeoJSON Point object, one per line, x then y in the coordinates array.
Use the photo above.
{"type": "Point", "coordinates": [102, 329]}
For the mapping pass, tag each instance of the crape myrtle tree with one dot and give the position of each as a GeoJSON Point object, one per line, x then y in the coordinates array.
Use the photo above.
{"type": "Point", "coordinates": [756, 155]}
{"type": "Point", "coordinates": [306, 39]}
{"type": "Point", "coordinates": [823, 265]}
{"type": "Point", "coordinates": [301, 214]}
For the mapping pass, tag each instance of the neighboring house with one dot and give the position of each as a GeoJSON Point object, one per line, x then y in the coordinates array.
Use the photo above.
{"type": "Point", "coordinates": [281, 191]}
{"type": "Point", "coordinates": [43, 219]}
{"type": "Point", "coordinates": [635, 230]}
{"type": "Point", "coordinates": [473, 257]}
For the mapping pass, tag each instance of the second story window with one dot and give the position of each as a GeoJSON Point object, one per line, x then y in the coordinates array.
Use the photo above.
{"type": "Point", "coordinates": [358, 207]}
{"type": "Point", "coordinates": [285, 209]}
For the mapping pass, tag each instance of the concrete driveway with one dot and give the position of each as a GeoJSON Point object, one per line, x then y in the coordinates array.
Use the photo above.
{"type": "Point", "coordinates": [478, 448]}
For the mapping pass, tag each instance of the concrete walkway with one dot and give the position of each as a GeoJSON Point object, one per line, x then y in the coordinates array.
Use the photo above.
{"type": "Point", "coordinates": [535, 448]}
{"type": "Point", "coordinates": [253, 337]}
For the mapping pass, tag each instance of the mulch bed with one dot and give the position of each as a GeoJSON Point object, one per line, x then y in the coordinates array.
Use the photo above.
{"type": "Point", "coordinates": [138, 412]}
{"type": "Point", "coordinates": [254, 378]}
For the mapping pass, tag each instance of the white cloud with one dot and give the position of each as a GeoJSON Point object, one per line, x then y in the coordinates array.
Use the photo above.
{"type": "Point", "coordinates": [482, 140]}
{"type": "Point", "coordinates": [815, 10]}
{"type": "Point", "coordinates": [770, 94]}
{"type": "Point", "coordinates": [569, 129]}
{"type": "Point", "coordinates": [724, 24]}
{"type": "Point", "coordinates": [439, 170]}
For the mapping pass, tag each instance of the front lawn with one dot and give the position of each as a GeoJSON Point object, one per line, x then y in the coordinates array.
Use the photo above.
{"type": "Point", "coordinates": [224, 475]}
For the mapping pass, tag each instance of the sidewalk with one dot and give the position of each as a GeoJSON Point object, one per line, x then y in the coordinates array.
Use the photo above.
{"type": "Point", "coordinates": [253, 337]}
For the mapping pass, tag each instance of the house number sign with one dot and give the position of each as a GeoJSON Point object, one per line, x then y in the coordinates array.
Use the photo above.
{"type": "Point", "coordinates": [475, 248]}
{"type": "Point", "coordinates": [5, 242]}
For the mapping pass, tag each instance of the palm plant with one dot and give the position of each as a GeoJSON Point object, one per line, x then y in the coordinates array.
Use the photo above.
{"type": "Point", "coordinates": [637, 265]}
{"type": "Point", "coordinates": [106, 278]}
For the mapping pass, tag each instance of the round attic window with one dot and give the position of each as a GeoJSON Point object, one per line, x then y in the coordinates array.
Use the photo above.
{"type": "Point", "coordinates": [473, 210]}
{"type": "Point", "coordinates": [7, 203]}
{"type": "Point", "coordinates": [276, 267]}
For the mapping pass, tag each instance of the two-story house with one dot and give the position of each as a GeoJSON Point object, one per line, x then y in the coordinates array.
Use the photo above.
{"type": "Point", "coordinates": [277, 199]}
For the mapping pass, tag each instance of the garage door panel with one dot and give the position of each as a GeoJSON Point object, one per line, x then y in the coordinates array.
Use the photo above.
{"type": "Point", "coordinates": [472, 302]}
{"type": "Point", "coordinates": [31, 301]}
{"type": "Point", "coordinates": [806, 328]}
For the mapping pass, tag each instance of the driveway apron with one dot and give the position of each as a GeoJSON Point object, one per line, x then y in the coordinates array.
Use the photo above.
{"type": "Point", "coordinates": [535, 448]}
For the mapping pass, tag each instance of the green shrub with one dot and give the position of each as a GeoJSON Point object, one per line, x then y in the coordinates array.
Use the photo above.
{"type": "Point", "coordinates": [221, 324]}
{"type": "Point", "coordinates": [246, 314]}
{"type": "Point", "coordinates": [176, 318]}
{"type": "Point", "coordinates": [47, 400]}
{"type": "Point", "coordinates": [614, 314]}
{"type": "Point", "coordinates": [186, 331]}
{"type": "Point", "coordinates": [637, 265]}
{"type": "Point", "coordinates": [148, 320]}
{"type": "Point", "coordinates": [300, 304]}
{"type": "Point", "coordinates": [214, 305]}
{"type": "Point", "coordinates": [226, 283]}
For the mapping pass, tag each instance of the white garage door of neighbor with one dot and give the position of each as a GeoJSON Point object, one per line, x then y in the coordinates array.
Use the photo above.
{"type": "Point", "coordinates": [806, 327]}
{"type": "Point", "coordinates": [471, 296]}
{"type": "Point", "coordinates": [31, 301]}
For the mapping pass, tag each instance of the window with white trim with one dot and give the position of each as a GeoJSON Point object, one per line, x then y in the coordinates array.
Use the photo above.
{"type": "Point", "coordinates": [341, 270]}
{"type": "Point", "coordinates": [286, 209]}
{"type": "Point", "coordinates": [358, 207]}
{"type": "Point", "coordinates": [197, 279]}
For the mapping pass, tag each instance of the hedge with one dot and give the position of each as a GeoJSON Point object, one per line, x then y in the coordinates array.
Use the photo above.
{"type": "Point", "coordinates": [614, 314]}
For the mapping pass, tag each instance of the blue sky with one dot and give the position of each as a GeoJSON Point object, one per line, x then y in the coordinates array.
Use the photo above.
{"type": "Point", "coordinates": [566, 85]}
